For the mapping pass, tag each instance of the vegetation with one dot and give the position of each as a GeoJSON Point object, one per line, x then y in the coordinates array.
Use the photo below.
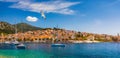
{"type": "Point", "coordinates": [7, 28]}
{"type": "Point", "coordinates": [23, 27]}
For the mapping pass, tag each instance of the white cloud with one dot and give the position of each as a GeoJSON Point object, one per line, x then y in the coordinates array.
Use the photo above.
{"type": "Point", "coordinates": [31, 19]}
{"type": "Point", "coordinates": [61, 7]}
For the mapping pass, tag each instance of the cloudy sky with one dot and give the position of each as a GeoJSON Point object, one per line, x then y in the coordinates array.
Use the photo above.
{"type": "Point", "coordinates": [95, 16]}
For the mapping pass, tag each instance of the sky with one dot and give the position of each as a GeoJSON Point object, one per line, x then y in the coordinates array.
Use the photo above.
{"type": "Point", "coordinates": [93, 16]}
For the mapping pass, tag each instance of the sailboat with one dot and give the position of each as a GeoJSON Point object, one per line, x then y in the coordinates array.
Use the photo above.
{"type": "Point", "coordinates": [18, 45]}
{"type": "Point", "coordinates": [15, 42]}
{"type": "Point", "coordinates": [53, 44]}
{"type": "Point", "coordinates": [57, 44]}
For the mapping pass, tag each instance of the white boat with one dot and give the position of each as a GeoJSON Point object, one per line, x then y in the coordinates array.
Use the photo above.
{"type": "Point", "coordinates": [7, 42]}
{"type": "Point", "coordinates": [21, 46]}
{"type": "Point", "coordinates": [58, 45]}
{"type": "Point", "coordinates": [15, 42]}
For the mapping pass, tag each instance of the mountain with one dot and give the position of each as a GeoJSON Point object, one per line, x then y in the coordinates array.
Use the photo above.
{"type": "Point", "coordinates": [21, 27]}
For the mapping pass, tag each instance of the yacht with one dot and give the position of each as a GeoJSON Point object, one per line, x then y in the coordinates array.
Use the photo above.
{"type": "Point", "coordinates": [15, 42]}
{"type": "Point", "coordinates": [7, 42]}
{"type": "Point", "coordinates": [58, 45]}
{"type": "Point", "coordinates": [21, 46]}
{"type": "Point", "coordinates": [18, 45]}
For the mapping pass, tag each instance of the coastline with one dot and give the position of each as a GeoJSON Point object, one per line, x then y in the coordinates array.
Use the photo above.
{"type": "Point", "coordinates": [85, 41]}
{"type": "Point", "coordinates": [69, 41]}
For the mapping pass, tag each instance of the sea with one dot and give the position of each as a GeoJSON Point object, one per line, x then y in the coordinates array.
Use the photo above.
{"type": "Point", "coordinates": [80, 50]}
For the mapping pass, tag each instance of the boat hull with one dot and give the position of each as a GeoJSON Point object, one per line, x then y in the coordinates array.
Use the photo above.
{"type": "Point", "coordinates": [57, 45]}
{"type": "Point", "coordinates": [20, 47]}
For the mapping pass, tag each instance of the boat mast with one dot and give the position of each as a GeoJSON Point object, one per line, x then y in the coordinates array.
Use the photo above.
{"type": "Point", "coordinates": [55, 34]}
{"type": "Point", "coordinates": [22, 29]}
{"type": "Point", "coordinates": [15, 30]}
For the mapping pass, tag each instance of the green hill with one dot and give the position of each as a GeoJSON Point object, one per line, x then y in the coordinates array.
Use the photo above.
{"type": "Point", "coordinates": [8, 28]}
{"type": "Point", "coordinates": [23, 27]}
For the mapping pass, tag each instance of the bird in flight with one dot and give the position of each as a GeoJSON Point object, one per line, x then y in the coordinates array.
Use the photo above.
{"type": "Point", "coordinates": [43, 15]}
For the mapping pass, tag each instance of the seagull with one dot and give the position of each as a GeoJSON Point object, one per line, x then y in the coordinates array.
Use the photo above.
{"type": "Point", "coordinates": [43, 15]}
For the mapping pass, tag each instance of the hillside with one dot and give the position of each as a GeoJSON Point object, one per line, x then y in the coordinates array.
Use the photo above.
{"type": "Point", "coordinates": [23, 27]}
{"type": "Point", "coordinates": [8, 28]}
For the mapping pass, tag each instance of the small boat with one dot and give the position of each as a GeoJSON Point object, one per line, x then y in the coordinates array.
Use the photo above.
{"type": "Point", "coordinates": [7, 42]}
{"type": "Point", "coordinates": [21, 46]}
{"type": "Point", "coordinates": [15, 42]}
{"type": "Point", "coordinates": [58, 45]}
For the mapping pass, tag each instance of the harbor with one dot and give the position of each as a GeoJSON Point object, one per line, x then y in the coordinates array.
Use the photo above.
{"type": "Point", "coordinates": [59, 28]}
{"type": "Point", "coordinates": [84, 50]}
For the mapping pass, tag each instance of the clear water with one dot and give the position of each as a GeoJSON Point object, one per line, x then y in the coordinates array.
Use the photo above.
{"type": "Point", "coordinates": [84, 50]}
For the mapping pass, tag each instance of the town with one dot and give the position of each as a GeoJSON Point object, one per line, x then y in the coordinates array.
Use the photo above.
{"type": "Point", "coordinates": [58, 35]}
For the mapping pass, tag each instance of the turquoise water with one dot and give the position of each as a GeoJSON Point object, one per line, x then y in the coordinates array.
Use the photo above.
{"type": "Point", "coordinates": [83, 50]}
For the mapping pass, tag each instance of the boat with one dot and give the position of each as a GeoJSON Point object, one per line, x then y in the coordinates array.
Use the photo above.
{"type": "Point", "coordinates": [7, 42]}
{"type": "Point", "coordinates": [18, 45]}
{"type": "Point", "coordinates": [58, 45]}
{"type": "Point", "coordinates": [21, 46]}
{"type": "Point", "coordinates": [15, 42]}
{"type": "Point", "coordinates": [54, 44]}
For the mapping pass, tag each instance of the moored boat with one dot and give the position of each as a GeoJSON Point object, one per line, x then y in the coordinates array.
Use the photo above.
{"type": "Point", "coordinates": [15, 42]}
{"type": "Point", "coordinates": [21, 46]}
{"type": "Point", "coordinates": [7, 42]}
{"type": "Point", "coordinates": [58, 45]}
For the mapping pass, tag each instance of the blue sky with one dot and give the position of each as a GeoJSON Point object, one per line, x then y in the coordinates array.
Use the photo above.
{"type": "Point", "coordinates": [94, 16]}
